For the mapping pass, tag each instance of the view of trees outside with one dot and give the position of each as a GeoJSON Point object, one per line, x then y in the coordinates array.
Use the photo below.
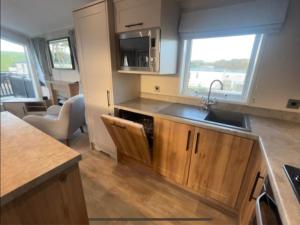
{"type": "Point", "coordinates": [13, 58]}
{"type": "Point", "coordinates": [223, 58]}
{"type": "Point", "coordinates": [61, 54]}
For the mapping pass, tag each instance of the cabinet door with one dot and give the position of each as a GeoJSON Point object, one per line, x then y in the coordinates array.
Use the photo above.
{"type": "Point", "coordinates": [137, 14]}
{"type": "Point", "coordinates": [129, 137]}
{"type": "Point", "coordinates": [92, 35]}
{"type": "Point", "coordinates": [172, 149]}
{"type": "Point", "coordinates": [252, 186]}
{"type": "Point", "coordinates": [218, 165]}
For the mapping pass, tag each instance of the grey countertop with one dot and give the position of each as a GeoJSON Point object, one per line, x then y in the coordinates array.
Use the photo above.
{"type": "Point", "coordinates": [163, 109]}
{"type": "Point", "coordinates": [279, 141]}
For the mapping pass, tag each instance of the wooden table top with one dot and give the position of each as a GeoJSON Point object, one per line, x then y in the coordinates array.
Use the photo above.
{"type": "Point", "coordinates": [29, 157]}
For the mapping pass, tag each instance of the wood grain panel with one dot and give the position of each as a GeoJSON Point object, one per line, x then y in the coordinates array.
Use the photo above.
{"type": "Point", "coordinates": [218, 164]}
{"type": "Point", "coordinates": [246, 204]}
{"type": "Point", "coordinates": [57, 201]}
{"type": "Point", "coordinates": [28, 157]}
{"type": "Point", "coordinates": [172, 151]}
{"type": "Point", "coordinates": [129, 137]}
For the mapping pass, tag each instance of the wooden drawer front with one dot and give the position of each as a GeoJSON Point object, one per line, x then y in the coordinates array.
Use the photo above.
{"type": "Point", "coordinates": [218, 165]}
{"type": "Point", "coordinates": [129, 137]}
{"type": "Point", "coordinates": [173, 147]}
{"type": "Point", "coordinates": [137, 14]}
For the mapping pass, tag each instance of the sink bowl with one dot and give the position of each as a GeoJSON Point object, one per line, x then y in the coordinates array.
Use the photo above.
{"type": "Point", "coordinates": [217, 117]}
{"type": "Point", "coordinates": [229, 119]}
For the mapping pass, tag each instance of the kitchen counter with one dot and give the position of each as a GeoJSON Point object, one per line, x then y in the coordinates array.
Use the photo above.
{"type": "Point", "coordinates": [29, 157]}
{"type": "Point", "coordinates": [154, 108]}
{"type": "Point", "coordinates": [279, 141]}
{"type": "Point", "coordinates": [143, 105]}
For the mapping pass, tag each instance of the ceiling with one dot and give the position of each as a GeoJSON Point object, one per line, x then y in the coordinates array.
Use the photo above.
{"type": "Point", "coordinates": [37, 17]}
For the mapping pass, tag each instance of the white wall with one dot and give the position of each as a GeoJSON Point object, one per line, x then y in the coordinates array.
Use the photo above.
{"type": "Point", "coordinates": [278, 72]}
{"type": "Point", "coordinates": [277, 75]}
{"type": "Point", "coordinates": [64, 75]}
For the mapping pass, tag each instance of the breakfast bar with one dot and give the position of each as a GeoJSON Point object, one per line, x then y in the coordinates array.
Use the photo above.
{"type": "Point", "coordinates": [40, 179]}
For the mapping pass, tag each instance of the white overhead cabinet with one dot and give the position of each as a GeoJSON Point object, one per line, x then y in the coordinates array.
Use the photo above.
{"type": "Point", "coordinates": [137, 14]}
{"type": "Point", "coordinates": [146, 16]}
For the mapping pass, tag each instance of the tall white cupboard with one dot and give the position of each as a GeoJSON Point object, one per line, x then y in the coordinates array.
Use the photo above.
{"type": "Point", "coordinates": [102, 85]}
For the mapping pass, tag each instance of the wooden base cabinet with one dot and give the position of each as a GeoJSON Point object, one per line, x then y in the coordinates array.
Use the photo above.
{"type": "Point", "coordinates": [218, 165]}
{"type": "Point", "coordinates": [172, 149]}
{"type": "Point", "coordinates": [58, 200]}
{"type": "Point", "coordinates": [208, 162]}
{"type": "Point", "coordinates": [252, 186]}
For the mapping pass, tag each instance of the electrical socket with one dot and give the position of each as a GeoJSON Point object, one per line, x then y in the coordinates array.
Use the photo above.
{"type": "Point", "coordinates": [293, 104]}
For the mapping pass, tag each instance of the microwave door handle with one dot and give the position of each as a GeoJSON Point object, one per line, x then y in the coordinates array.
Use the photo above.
{"type": "Point", "coordinates": [134, 24]}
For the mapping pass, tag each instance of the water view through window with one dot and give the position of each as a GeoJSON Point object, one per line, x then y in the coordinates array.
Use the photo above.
{"type": "Point", "coordinates": [223, 58]}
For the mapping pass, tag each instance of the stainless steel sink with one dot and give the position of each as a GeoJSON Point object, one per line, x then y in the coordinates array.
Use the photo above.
{"type": "Point", "coordinates": [185, 111]}
{"type": "Point", "coordinates": [229, 119]}
{"type": "Point", "coordinates": [222, 118]}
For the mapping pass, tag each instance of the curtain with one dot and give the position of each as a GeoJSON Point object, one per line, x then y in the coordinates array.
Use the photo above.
{"type": "Point", "coordinates": [40, 58]}
{"type": "Point", "coordinates": [71, 34]}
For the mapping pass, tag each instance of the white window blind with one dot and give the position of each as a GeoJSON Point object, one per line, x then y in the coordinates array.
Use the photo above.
{"type": "Point", "coordinates": [260, 16]}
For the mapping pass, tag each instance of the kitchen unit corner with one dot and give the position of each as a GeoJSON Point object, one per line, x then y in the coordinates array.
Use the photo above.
{"type": "Point", "coordinates": [237, 161]}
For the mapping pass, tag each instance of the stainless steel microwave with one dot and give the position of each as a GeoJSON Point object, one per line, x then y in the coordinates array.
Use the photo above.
{"type": "Point", "coordinates": [139, 51]}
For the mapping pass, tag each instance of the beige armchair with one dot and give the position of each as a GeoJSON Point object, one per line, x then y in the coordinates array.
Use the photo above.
{"type": "Point", "coordinates": [61, 121]}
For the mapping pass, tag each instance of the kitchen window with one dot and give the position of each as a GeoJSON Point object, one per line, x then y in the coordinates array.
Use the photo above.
{"type": "Point", "coordinates": [230, 59]}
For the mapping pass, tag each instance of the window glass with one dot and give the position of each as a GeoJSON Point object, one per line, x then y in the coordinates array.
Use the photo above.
{"type": "Point", "coordinates": [227, 59]}
{"type": "Point", "coordinates": [60, 52]}
{"type": "Point", "coordinates": [16, 79]}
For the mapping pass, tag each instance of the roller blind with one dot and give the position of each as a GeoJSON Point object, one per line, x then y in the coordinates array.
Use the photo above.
{"type": "Point", "coordinates": [259, 16]}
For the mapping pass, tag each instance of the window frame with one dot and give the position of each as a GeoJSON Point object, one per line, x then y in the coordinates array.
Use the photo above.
{"type": "Point", "coordinates": [71, 53]}
{"type": "Point", "coordinates": [185, 60]}
{"type": "Point", "coordinates": [32, 73]}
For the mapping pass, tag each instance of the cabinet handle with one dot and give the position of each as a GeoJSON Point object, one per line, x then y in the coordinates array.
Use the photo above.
{"type": "Point", "coordinates": [188, 140]}
{"type": "Point", "coordinates": [134, 24]}
{"type": "Point", "coordinates": [108, 98]}
{"type": "Point", "coordinates": [197, 140]}
{"type": "Point", "coordinates": [258, 176]}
